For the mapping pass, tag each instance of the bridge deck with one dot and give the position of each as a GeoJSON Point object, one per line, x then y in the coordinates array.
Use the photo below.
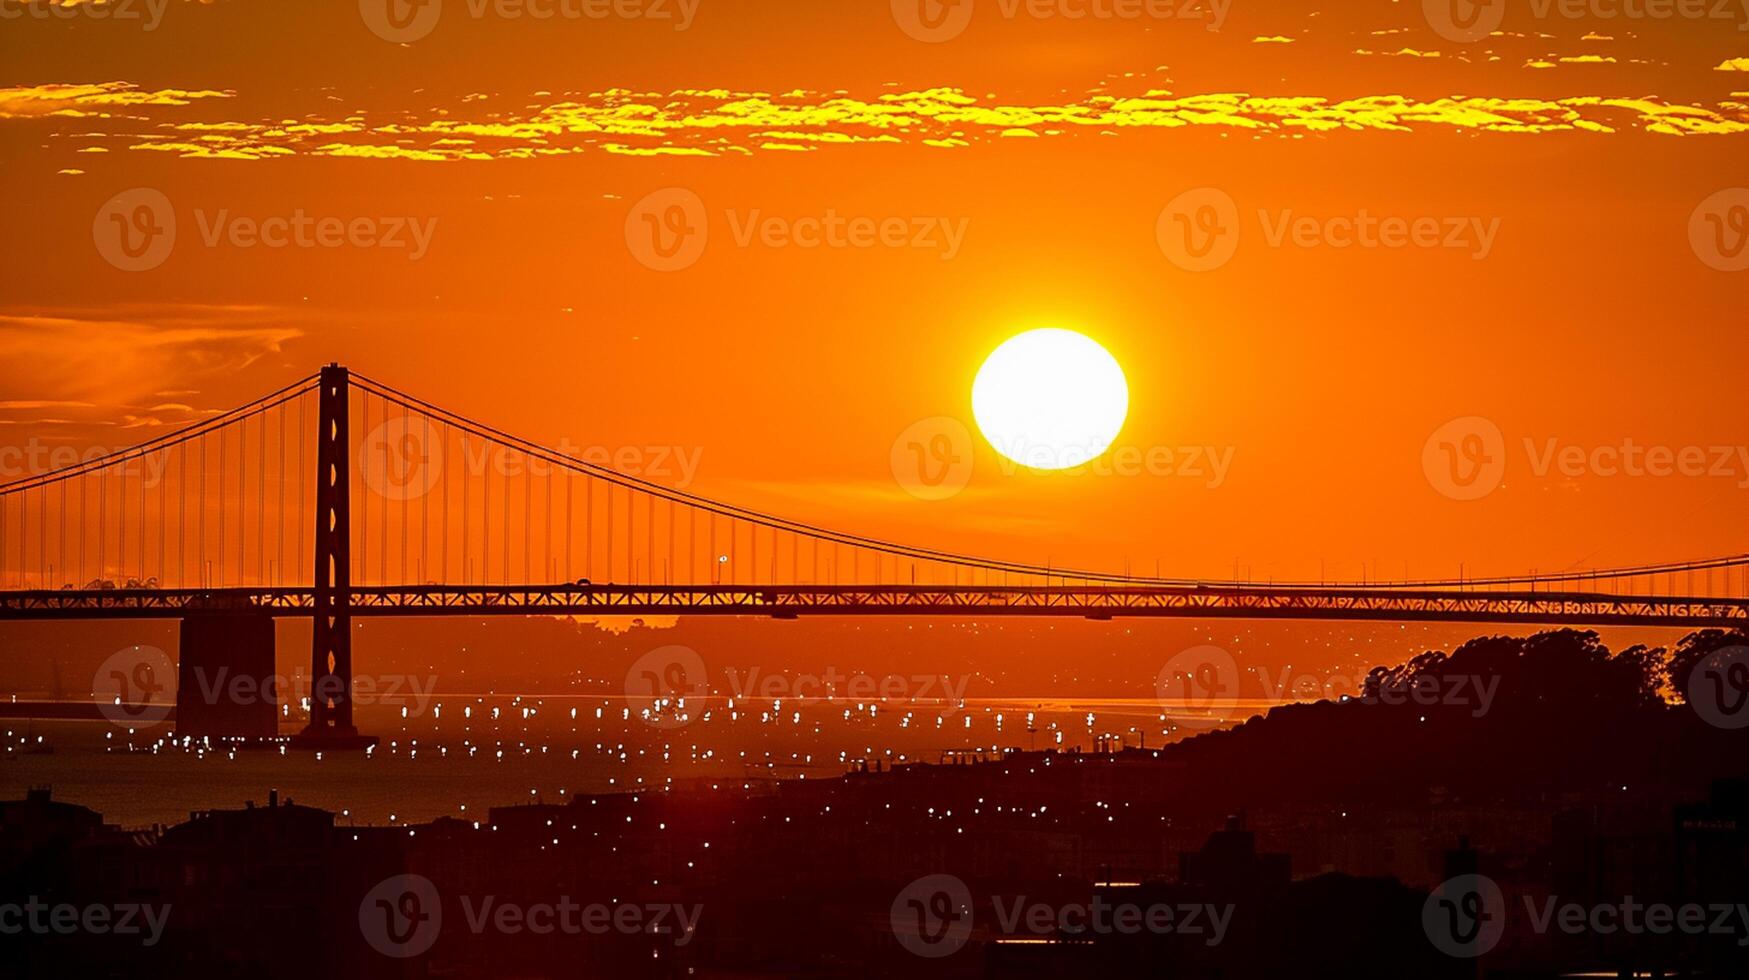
{"type": "Point", "coordinates": [792, 601]}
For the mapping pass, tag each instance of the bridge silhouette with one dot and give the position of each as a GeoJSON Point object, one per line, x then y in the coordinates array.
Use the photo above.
{"type": "Point", "coordinates": [338, 497]}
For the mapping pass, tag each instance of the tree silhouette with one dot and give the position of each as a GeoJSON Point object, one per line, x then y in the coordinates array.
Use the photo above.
{"type": "Point", "coordinates": [1693, 650]}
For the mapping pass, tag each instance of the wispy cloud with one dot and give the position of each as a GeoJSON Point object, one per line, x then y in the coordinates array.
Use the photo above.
{"type": "Point", "coordinates": [717, 122]}
{"type": "Point", "coordinates": [113, 363]}
{"type": "Point", "coordinates": [92, 99]}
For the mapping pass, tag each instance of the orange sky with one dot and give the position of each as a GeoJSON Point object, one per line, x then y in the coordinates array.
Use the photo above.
{"type": "Point", "coordinates": [523, 144]}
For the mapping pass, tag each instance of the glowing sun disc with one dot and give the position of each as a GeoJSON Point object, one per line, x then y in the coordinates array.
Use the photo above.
{"type": "Point", "coordinates": [1050, 399]}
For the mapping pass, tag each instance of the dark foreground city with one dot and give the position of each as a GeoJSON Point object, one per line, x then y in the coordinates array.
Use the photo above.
{"type": "Point", "coordinates": [1541, 807]}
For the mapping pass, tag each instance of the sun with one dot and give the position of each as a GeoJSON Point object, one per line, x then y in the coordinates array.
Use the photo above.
{"type": "Point", "coordinates": [1050, 399]}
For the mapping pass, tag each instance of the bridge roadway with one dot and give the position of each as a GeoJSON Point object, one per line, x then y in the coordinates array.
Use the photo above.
{"type": "Point", "coordinates": [1260, 602]}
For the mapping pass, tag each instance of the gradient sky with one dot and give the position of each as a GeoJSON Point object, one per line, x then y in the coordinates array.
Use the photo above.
{"type": "Point", "coordinates": [526, 145]}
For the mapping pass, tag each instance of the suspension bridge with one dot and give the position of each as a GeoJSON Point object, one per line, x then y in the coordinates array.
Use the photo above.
{"type": "Point", "coordinates": [339, 497]}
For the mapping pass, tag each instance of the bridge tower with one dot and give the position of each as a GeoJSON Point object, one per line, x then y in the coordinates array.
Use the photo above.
{"type": "Point", "coordinates": [331, 723]}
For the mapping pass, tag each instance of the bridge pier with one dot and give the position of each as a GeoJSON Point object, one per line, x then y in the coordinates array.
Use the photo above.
{"type": "Point", "coordinates": [331, 724]}
{"type": "Point", "coordinates": [225, 685]}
